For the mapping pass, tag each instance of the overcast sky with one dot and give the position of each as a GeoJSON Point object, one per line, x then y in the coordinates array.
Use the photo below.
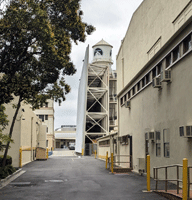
{"type": "Point", "coordinates": [111, 19]}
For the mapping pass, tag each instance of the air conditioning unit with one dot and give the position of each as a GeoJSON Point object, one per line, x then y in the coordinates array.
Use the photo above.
{"type": "Point", "coordinates": [185, 131]}
{"type": "Point", "coordinates": [166, 76]}
{"type": "Point", "coordinates": [128, 104]}
{"type": "Point", "coordinates": [141, 165]}
{"type": "Point", "coordinates": [151, 136]}
{"type": "Point", "coordinates": [156, 83]}
{"type": "Point", "coordinates": [157, 135]}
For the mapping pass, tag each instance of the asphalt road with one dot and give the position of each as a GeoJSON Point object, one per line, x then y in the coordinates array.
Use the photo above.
{"type": "Point", "coordinates": [73, 178]}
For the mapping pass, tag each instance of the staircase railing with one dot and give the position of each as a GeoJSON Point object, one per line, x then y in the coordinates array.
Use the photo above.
{"type": "Point", "coordinates": [177, 180]}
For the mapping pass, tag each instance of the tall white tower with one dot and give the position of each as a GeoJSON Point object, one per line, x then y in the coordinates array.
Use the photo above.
{"type": "Point", "coordinates": [93, 114]}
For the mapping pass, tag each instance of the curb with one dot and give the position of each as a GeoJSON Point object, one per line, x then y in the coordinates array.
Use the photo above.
{"type": "Point", "coordinates": [10, 178]}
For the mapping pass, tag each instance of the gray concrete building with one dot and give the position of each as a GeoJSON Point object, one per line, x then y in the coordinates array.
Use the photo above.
{"type": "Point", "coordinates": [154, 85]}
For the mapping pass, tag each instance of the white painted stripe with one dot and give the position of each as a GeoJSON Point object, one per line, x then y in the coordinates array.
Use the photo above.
{"type": "Point", "coordinates": [54, 181]}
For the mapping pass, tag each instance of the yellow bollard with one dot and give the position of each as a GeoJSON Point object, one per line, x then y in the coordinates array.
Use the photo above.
{"type": "Point", "coordinates": [95, 154]}
{"type": "Point", "coordinates": [82, 152]}
{"type": "Point", "coordinates": [111, 162]}
{"type": "Point", "coordinates": [148, 173]}
{"type": "Point", "coordinates": [20, 157]}
{"type": "Point", "coordinates": [47, 153]}
{"type": "Point", "coordinates": [106, 160]}
{"type": "Point", "coordinates": [185, 175]}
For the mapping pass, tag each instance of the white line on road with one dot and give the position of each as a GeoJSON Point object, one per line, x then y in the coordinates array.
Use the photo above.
{"type": "Point", "coordinates": [54, 181]}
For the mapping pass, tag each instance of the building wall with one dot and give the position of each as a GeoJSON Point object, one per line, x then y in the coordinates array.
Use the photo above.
{"type": "Point", "coordinates": [42, 136]}
{"type": "Point", "coordinates": [145, 35]}
{"type": "Point", "coordinates": [25, 133]}
{"type": "Point", "coordinates": [48, 110]}
{"type": "Point", "coordinates": [16, 136]}
{"type": "Point", "coordinates": [153, 109]}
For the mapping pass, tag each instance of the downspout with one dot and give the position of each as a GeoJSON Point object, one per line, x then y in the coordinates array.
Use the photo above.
{"type": "Point", "coordinates": [31, 138]}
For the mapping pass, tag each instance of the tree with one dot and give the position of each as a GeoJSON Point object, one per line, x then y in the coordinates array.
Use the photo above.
{"type": "Point", "coordinates": [3, 123]}
{"type": "Point", "coordinates": [35, 44]}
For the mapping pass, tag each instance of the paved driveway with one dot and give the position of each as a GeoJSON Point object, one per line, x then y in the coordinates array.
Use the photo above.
{"type": "Point", "coordinates": [73, 178]}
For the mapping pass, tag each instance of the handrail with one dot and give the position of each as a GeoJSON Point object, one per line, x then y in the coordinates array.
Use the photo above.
{"type": "Point", "coordinates": [155, 174]}
{"type": "Point", "coordinates": [168, 166]}
{"type": "Point", "coordinates": [189, 183]}
{"type": "Point", "coordinates": [118, 161]}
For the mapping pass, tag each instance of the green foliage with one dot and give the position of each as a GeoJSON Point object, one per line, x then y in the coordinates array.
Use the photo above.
{"type": "Point", "coordinates": [3, 123]}
{"type": "Point", "coordinates": [6, 171]}
{"type": "Point", "coordinates": [35, 44]}
{"type": "Point", "coordinates": [3, 118]}
{"type": "Point", "coordinates": [8, 160]}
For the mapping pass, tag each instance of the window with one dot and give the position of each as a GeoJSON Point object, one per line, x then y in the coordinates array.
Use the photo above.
{"type": "Point", "coordinates": [47, 142]}
{"type": "Point", "coordinates": [133, 90]}
{"type": "Point", "coordinates": [147, 77]}
{"type": "Point", "coordinates": [138, 86]}
{"type": "Point", "coordinates": [154, 73]}
{"type": "Point", "coordinates": [46, 104]}
{"type": "Point", "coordinates": [47, 129]}
{"type": "Point", "coordinates": [159, 68]}
{"type": "Point", "coordinates": [168, 60]}
{"type": "Point", "coordinates": [158, 149]}
{"type": "Point", "coordinates": [129, 95]}
{"type": "Point", "coordinates": [124, 140]}
{"type": "Point", "coordinates": [104, 143]}
{"type": "Point", "coordinates": [46, 117]}
{"type": "Point", "coordinates": [166, 143]}
{"type": "Point", "coordinates": [187, 44]}
{"type": "Point", "coordinates": [158, 135]}
{"type": "Point", "coordinates": [41, 117]}
{"type": "Point", "coordinates": [181, 131]}
{"type": "Point", "coordinates": [158, 143]}
{"type": "Point", "coordinates": [125, 98]}
{"type": "Point", "coordinates": [143, 82]}
{"type": "Point", "coordinates": [176, 54]}
{"type": "Point", "coordinates": [121, 100]}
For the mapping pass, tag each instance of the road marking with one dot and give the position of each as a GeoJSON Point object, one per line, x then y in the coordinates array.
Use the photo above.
{"type": "Point", "coordinates": [20, 183]}
{"type": "Point", "coordinates": [54, 181]}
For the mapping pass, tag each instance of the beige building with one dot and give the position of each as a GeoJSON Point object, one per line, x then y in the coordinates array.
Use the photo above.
{"type": "Point", "coordinates": [28, 133]}
{"type": "Point", "coordinates": [65, 136]}
{"type": "Point", "coordinates": [46, 114]}
{"type": "Point", "coordinates": [154, 85]}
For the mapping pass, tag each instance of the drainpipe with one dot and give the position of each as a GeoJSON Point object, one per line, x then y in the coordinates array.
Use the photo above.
{"type": "Point", "coordinates": [31, 138]}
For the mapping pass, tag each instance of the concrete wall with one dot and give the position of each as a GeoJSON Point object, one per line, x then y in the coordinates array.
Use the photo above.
{"type": "Point", "coordinates": [16, 136]}
{"type": "Point", "coordinates": [42, 136]}
{"type": "Point", "coordinates": [153, 109]}
{"type": "Point", "coordinates": [49, 123]}
{"type": "Point", "coordinates": [25, 133]}
{"type": "Point", "coordinates": [152, 25]}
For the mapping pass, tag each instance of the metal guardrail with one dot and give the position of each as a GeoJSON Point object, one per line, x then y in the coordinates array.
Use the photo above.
{"type": "Point", "coordinates": [117, 161]}
{"type": "Point", "coordinates": [189, 183]}
{"type": "Point", "coordinates": [155, 175]}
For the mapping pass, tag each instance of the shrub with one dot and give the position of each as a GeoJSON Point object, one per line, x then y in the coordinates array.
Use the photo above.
{"type": "Point", "coordinates": [8, 160]}
{"type": "Point", "coordinates": [6, 171]}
